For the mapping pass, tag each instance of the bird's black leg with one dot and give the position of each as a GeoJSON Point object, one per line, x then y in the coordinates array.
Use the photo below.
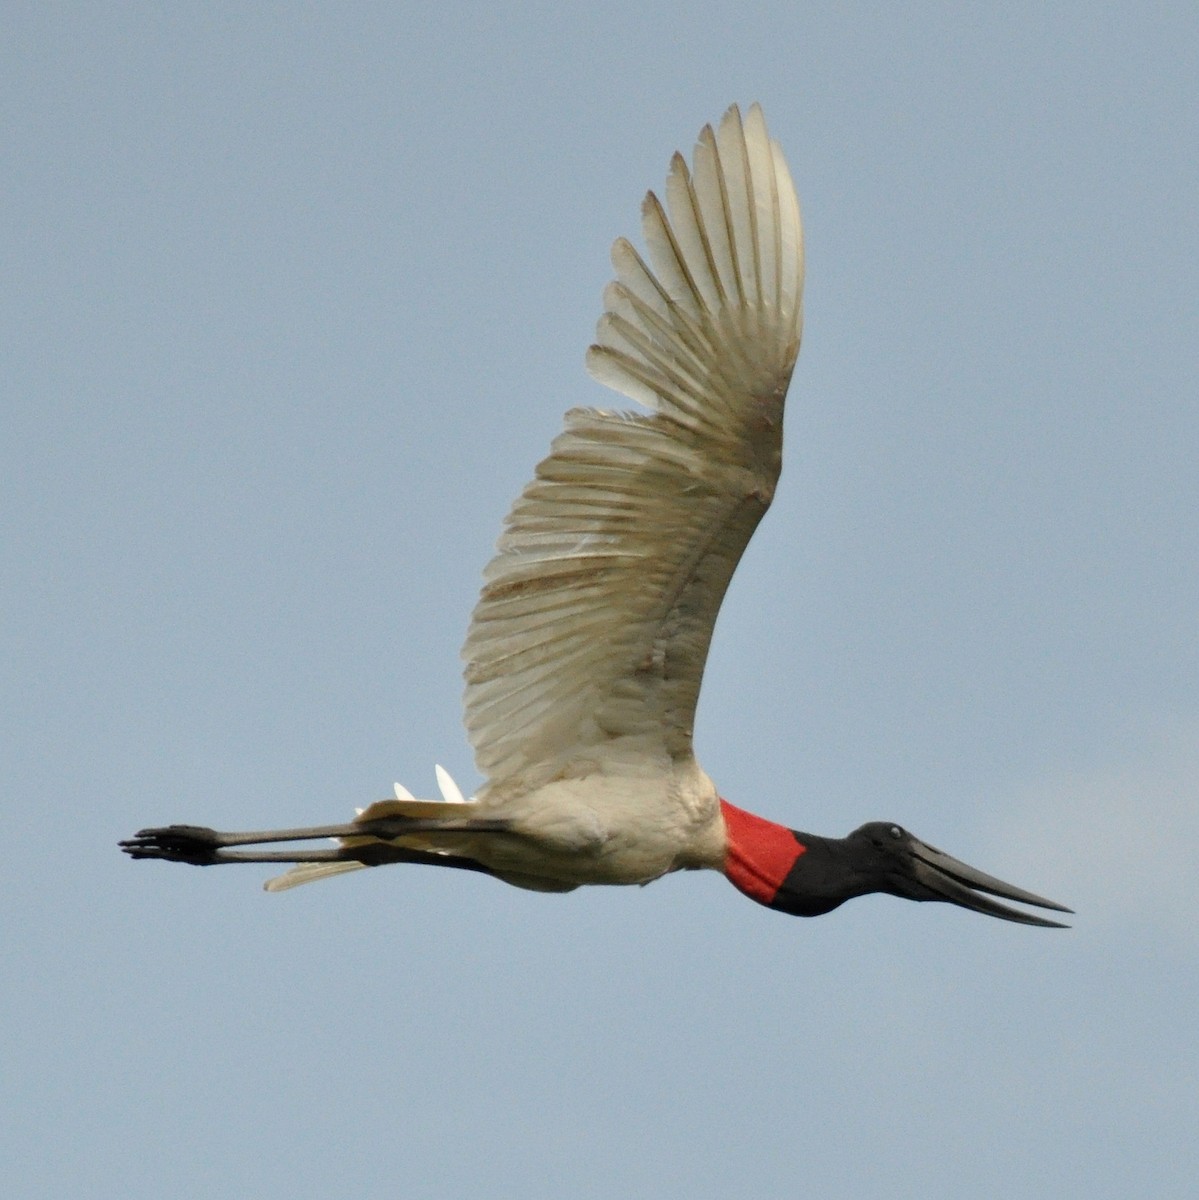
{"type": "Point", "coordinates": [203, 847]}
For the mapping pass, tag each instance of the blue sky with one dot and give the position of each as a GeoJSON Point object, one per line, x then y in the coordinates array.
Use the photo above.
{"type": "Point", "coordinates": [295, 297]}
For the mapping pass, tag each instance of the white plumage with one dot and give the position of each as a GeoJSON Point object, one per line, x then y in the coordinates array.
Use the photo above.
{"type": "Point", "coordinates": [587, 647]}
{"type": "Point", "coordinates": [596, 613]}
{"type": "Point", "coordinates": [586, 650]}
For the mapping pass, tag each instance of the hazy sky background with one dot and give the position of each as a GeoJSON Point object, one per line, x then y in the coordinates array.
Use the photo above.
{"type": "Point", "coordinates": [294, 298]}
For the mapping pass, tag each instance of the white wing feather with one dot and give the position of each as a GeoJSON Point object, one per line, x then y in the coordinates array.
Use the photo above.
{"type": "Point", "coordinates": [587, 646]}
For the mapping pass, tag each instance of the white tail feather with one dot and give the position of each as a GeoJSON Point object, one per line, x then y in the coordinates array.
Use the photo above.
{"type": "Point", "coordinates": [309, 873]}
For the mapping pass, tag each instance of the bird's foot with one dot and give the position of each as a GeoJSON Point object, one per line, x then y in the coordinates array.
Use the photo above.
{"type": "Point", "coordinates": [193, 844]}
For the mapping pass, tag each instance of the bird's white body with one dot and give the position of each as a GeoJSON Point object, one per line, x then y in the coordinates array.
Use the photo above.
{"type": "Point", "coordinates": [602, 828]}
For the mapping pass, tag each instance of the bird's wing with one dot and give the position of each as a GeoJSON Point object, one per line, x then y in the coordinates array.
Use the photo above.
{"type": "Point", "coordinates": [588, 643]}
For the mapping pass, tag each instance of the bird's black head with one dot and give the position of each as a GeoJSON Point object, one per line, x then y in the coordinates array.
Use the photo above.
{"type": "Point", "coordinates": [884, 857]}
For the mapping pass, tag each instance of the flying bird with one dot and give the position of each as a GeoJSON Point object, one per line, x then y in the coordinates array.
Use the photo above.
{"type": "Point", "coordinates": [587, 646]}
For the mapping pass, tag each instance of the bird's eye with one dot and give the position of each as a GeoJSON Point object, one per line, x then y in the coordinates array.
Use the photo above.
{"type": "Point", "coordinates": [895, 832]}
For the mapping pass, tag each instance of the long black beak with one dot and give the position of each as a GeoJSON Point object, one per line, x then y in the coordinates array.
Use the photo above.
{"type": "Point", "coordinates": [948, 879]}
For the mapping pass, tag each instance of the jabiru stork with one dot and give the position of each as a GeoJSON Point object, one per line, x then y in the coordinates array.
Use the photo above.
{"type": "Point", "coordinates": [587, 646]}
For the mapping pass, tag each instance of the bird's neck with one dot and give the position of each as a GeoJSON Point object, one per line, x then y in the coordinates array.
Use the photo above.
{"type": "Point", "coordinates": [759, 854]}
